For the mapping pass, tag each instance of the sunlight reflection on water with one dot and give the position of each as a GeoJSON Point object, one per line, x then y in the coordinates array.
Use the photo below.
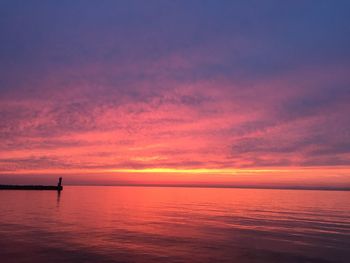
{"type": "Point", "coordinates": [140, 224]}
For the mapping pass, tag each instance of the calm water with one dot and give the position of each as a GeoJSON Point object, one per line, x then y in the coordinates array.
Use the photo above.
{"type": "Point", "coordinates": [137, 224]}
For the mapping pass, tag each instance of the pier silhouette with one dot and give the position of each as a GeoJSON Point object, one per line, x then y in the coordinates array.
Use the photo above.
{"type": "Point", "coordinates": [59, 187]}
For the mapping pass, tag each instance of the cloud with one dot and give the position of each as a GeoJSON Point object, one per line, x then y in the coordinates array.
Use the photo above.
{"type": "Point", "coordinates": [187, 84]}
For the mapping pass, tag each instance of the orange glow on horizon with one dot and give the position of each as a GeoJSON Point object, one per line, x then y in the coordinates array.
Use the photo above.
{"type": "Point", "coordinates": [164, 170]}
{"type": "Point", "coordinates": [194, 171]}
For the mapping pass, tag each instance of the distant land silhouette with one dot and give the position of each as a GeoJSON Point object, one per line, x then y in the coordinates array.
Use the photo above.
{"type": "Point", "coordinates": [325, 188]}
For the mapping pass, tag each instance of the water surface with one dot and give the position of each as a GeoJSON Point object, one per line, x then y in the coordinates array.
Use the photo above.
{"type": "Point", "coordinates": [153, 224]}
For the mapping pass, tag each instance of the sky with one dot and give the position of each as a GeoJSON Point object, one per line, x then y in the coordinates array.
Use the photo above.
{"type": "Point", "coordinates": [175, 92]}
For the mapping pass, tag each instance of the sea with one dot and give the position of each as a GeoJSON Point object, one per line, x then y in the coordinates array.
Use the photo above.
{"type": "Point", "coordinates": [174, 224]}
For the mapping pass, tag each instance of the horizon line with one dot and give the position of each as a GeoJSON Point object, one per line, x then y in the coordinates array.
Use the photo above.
{"type": "Point", "coordinates": [319, 188]}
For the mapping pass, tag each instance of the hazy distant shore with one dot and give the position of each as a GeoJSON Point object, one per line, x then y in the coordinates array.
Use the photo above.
{"type": "Point", "coordinates": [224, 186]}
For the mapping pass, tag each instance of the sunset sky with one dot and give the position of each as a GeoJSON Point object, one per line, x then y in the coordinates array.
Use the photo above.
{"type": "Point", "coordinates": [175, 92]}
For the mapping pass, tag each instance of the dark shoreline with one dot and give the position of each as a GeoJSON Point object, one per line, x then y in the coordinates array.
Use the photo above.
{"type": "Point", "coordinates": [223, 187]}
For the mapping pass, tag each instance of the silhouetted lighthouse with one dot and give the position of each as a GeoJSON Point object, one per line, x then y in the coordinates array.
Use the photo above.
{"type": "Point", "coordinates": [59, 185]}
